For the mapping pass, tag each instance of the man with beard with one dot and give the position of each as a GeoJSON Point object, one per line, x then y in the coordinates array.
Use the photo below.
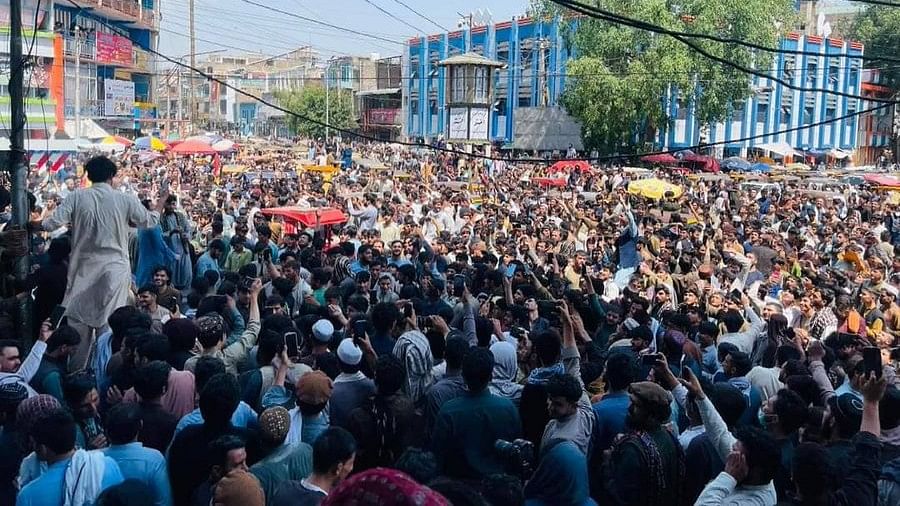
{"type": "Point", "coordinates": [646, 466]}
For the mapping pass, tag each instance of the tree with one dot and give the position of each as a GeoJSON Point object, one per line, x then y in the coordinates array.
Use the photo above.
{"type": "Point", "coordinates": [878, 27]}
{"type": "Point", "coordinates": [310, 102]}
{"type": "Point", "coordinates": [620, 79]}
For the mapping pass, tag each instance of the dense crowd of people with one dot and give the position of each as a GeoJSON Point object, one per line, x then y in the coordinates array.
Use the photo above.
{"type": "Point", "coordinates": [467, 337]}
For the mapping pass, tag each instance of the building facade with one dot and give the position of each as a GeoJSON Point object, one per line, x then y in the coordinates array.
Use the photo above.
{"type": "Point", "coordinates": [535, 55]}
{"type": "Point", "coordinates": [876, 128]}
{"type": "Point", "coordinates": [380, 111]}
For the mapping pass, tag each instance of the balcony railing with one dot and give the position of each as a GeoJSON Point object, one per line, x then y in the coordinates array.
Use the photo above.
{"type": "Point", "coordinates": [88, 48]}
{"type": "Point", "coordinates": [129, 8]}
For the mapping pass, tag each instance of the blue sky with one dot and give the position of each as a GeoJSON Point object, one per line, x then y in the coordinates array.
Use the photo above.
{"type": "Point", "coordinates": [223, 23]}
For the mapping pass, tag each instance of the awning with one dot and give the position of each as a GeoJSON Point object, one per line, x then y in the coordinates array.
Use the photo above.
{"type": "Point", "coordinates": [839, 154]}
{"type": "Point", "coordinates": [779, 148]}
{"type": "Point", "coordinates": [43, 144]}
{"type": "Point", "coordinates": [89, 129]}
{"type": "Point", "coordinates": [384, 91]}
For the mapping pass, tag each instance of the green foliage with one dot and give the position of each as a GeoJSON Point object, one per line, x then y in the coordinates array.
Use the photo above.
{"type": "Point", "coordinates": [310, 101]}
{"type": "Point", "coordinates": [878, 27]}
{"type": "Point", "coordinates": [620, 77]}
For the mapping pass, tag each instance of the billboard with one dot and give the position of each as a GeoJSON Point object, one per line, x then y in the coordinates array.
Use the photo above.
{"type": "Point", "coordinates": [113, 49]}
{"type": "Point", "coordinates": [118, 97]}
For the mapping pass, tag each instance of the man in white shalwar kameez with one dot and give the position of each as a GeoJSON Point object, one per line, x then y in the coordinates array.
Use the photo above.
{"type": "Point", "coordinates": [99, 277]}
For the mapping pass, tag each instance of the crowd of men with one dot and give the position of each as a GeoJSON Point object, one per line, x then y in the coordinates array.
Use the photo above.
{"type": "Point", "coordinates": [468, 337]}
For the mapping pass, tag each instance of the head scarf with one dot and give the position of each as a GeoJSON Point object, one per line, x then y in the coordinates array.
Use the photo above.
{"type": "Point", "coordinates": [383, 487]}
{"type": "Point", "coordinates": [561, 478]}
{"type": "Point", "coordinates": [506, 366]}
{"type": "Point", "coordinates": [32, 410]}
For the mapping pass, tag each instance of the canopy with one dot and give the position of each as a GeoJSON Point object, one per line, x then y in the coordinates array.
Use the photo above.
{"type": "Point", "coordinates": [115, 139]}
{"type": "Point", "coordinates": [797, 166]}
{"type": "Point", "coordinates": [760, 167]}
{"type": "Point", "coordinates": [735, 163]}
{"type": "Point", "coordinates": [307, 216]}
{"type": "Point", "coordinates": [208, 138]}
{"type": "Point", "coordinates": [223, 146]}
{"type": "Point", "coordinates": [660, 159]}
{"type": "Point", "coordinates": [569, 165]}
{"type": "Point", "coordinates": [150, 143]}
{"type": "Point", "coordinates": [653, 188]}
{"type": "Point", "coordinates": [702, 162]}
{"type": "Point", "coordinates": [193, 147]}
{"type": "Point", "coordinates": [549, 181]}
{"type": "Point", "coordinates": [779, 148]}
{"type": "Point", "coordinates": [882, 180]}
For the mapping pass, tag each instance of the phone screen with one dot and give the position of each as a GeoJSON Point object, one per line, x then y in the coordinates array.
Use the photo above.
{"type": "Point", "coordinates": [291, 344]}
{"type": "Point", "coordinates": [872, 360]}
{"type": "Point", "coordinates": [359, 328]}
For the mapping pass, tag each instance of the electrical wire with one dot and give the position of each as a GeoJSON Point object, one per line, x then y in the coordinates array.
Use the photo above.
{"type": "Point", "coordinates": [351, 133]}
{"type": "Point", "coordinates": [395, 18]}
{"type": "Point", "coordinates": [884, 3]}
{"type": "Point", "coordinates": [417, 13]}
{"type": "Point", "coordinates": [619, 20]}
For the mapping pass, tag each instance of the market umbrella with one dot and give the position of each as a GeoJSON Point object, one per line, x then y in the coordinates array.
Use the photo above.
{"type": "Point", "coordinates": [797, 166]}
{"type": "Point", "coordinates": [760, 167]}
{"type": "Point", "coordinates": [660, 159]}
{"type": "Point", "coordinates": [569, 165]}
{"type": "Point", "coordinates": [223, 146]}
{"type": "Point", "coordinates": [654, 188]}
{"type": "Point", "coordinates": [193, 147]}
{"type": "Point", "coordinates": [735, 163]}
{"type": "Point", "coordinates": [115, 139]}
{"type": "Point", "coordinates": [150, 143]}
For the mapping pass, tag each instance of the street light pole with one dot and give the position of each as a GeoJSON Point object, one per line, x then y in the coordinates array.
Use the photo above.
{"type": "Point", "coordinates": [193, 64]}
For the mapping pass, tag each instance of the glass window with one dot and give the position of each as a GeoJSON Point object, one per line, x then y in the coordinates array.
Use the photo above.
{"type": "Point", "coordinates": [459, 84]}
{"type": "Point", "coordinates": [481, 84]}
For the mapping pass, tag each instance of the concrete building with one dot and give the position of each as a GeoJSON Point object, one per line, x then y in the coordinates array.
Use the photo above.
{"type": "Point", "coordinates": [534, 79]}
{"type": "Point", "coordinates": [380, 109]}
{"type": "Point", "coordinates": [876, 128]}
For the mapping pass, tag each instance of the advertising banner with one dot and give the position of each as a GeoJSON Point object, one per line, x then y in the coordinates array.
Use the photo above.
{"type": "Point", "coordinates": [118, 97]}
{"type": "Point", "coordinates": [113, 49]}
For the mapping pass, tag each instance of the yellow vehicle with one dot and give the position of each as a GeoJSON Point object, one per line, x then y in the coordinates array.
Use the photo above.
{"type": "Point", "coordinates": [325, 170]}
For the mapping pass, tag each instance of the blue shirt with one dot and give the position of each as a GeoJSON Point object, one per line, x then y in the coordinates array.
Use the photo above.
{"type": "Point", "coordinates": [206, 263]}
{"type": "Point", "coordinates": [243, 416]}
{"type": "Point", "coordinates": [610, 413]}
{"type": "Point", "coordinates": [145, 465]}
{"type": "Point", "coordinates": [50, 487]}
{"type": "Point", "coordinates": [847, 388]}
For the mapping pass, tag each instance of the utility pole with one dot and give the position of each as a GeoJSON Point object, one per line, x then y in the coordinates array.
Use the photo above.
{"type": "Point", "coordinates": [193, 65]}
{"type": "Point", "coordinates": [77, 34]}
{"type": "Point", "coordinates": [168, 103]}
{"type": "Point", "coordinates": [18, 169]}
{"type": "Point", "coordinates": [327, 97]}
{"type": "Point", "coordinates": [180, 101]}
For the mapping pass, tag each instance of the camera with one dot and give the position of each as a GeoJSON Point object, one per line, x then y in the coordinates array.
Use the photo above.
{"type": "Point", "coordinates": [517, 456]}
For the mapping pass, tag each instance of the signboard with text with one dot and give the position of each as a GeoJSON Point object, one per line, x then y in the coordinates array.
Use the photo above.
{"type": "Point", "coordinates": [113, 49]}
{"type": "Point", "coordinates": [383, 116]}
{"type": "Point", "coordinates": [118, 97]}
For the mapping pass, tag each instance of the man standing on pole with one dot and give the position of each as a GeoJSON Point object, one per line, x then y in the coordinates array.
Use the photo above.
{"type": "Point", "coordinates": [99, 270]}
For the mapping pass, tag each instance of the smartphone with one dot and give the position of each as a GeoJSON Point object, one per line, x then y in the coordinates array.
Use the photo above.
{"type": "Point", "coordinates": [872, 360]}
{"type": "Point", "coordinates": [459, 285]}
{"type": "Point", "coordinates": [56, 316]}
{"type": "Point", "coordinates": [648, 359]}
{"type": "Point", "coordinates": [359, 329]}
{"type": "Point", "coordinates": [408, 310]}
{"type": "Point", "coordinates": [247, 282]}
{"type": "Point", "coordinates": [292, 344]}
{"type": "Point", "coordinates": [511, 271]}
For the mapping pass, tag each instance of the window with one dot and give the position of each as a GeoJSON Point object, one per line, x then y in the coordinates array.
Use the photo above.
{"type": "Point", "coordinates": [811, 69]}
{"type": "Point", "coordinates": [762, 112]}
{"type": "Point", "coordinates": [524, 101]}
{"type": "Point", "coordinates": [481, 84]}
{"type": "Point", "coordinates": [458, 93]}
{"type": "Point", "coordinates": [500, 107]}
{"type": "Point", "coordinates": [433, 107]}
{"type": "Point", "coordinates": [789, 68]}
{"type": "Point", "coordinates": [414, 106]}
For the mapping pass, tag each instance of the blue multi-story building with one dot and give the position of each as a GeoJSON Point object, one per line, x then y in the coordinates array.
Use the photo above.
{"type": "Point", "coordinates": [535, 56]}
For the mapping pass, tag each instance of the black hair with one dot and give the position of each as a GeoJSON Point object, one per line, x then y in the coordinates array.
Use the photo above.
{"type": "Point", "coordinates": [328, 363]}
{"type": "Point", "coordinates": [791, 410]}
{"type": "Point", "coordinates": [150, 380]}
{"type": "Point", "coordinates": [477, 369]}
{"type": "Point", "coordinates": [728, 401]}
{"type": "Point", "coordinates": [548, 346]}
{"type": "Point", "coordinates": [708, 328]}
{"type": "Point", "coordinates": [455, 351]}
{"type": "Point", "coordinates": [205, 368]}
{"type": "Point", "coordinates": [63, 336]}
{"type": "Point", "coordinates": [806, 387]}
{"type": "Point", "coordinates": [218, 448]}
{"type": "Point", "coordinates": [332, 447]}
{"type": "Point", "coordinates": [56, 431]}
{"type": "Point", "coordinates": [503, 490]}
{"type": "Point", "coordinates": [389, 374]}
{"type": "Point", "coordinates": [131, 492]}
{"type": "Point", "coordinates": [421, 465]}
{"type": "Point", "coordinates": [384, 316]}
{"type": "Point", "coordinates": [123, 422]}
{"type": "Point", "coordinates": [741, 363]}
{"type": "Point", "coordinates": [76, 386]}
{"type": "Point", "coordinates": [127, 317]}
{"type": "Point", "coordinates": [484, 331]}
{"type": "Point", "coordinates": [270, 344]}
{"type": "Point", "coordinates": [786, 352]}
{"type": "Point", "coordinates": [182, 337]}
{"type": "Point", "coordinates": [154, 347]}
{"type": "Point", "coordinates": [10, 343]}
{"type": "Point", "coordinates": [889, 408]}
{"type": "Point", "coordinates": [620, 371]}
{"type": "Point", "coordinates": [100, 169]}
{"type": "Point", "coordinates": [149, 288]}
{"type": "Point", "coordinates": [761, 451]}
{"type": "Point", "coordinates": [218, 400]}
{"type": "Point", "coordinates": [564, 385]}
{"type": "Point", "coordinates": [733, 320]}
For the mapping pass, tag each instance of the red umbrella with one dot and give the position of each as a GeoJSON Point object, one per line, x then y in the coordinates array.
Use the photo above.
{"type": "Point", "coordinates": [660, 159]}
{"type": "Point", "coordinates": [569, 165]}
{"type": "Point", "coordinates": [307, 216]}
{"type": "Point", "coordinates": [193, 147]}
{"type": "Point", "coordinates": [549, 181]}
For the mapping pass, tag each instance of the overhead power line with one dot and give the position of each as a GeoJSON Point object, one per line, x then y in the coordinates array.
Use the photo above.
{"type": "Point", "coordinates": [620, 20]}
{"type": "Point", "coordinates": [417, 13]}
{"type": "Point", "coordinates": [884, 3]}
{"type": "Point", "coordinates": [476, 155]}
{"type": "Point", "coordinates": [395, 18]}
